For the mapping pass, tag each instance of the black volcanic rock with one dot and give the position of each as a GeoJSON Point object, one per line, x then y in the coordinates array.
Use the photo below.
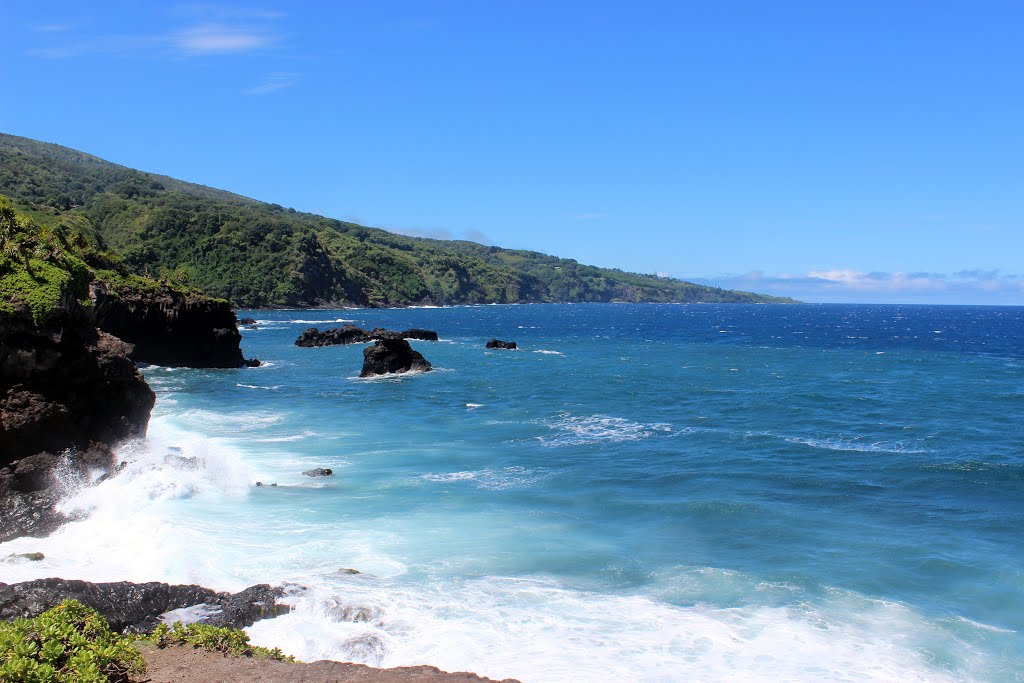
{"type": "Point", "coordinates": [392, 354]}
{"type": "Point", "coordinates": [498, 344]}
{"type": "Point", "coordinates": [347, 334]}
{"type": "Point", "coordinates": [138, 606]}
{"type": "Point", "coordinates": [350, 334]}
{"type": "Point", "coordinates": [417, 333]}
{"type": "Point", "coordinates": [247, 321]}
{"type": "Point", "coordinates": [171, 328]}
{"type": "Point", "coordinates": [65, 387]}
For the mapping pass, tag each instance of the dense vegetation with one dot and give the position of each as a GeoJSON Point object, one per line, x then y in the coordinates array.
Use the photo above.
{"type": "Point", "coordinates": [72, 643]}
{"type": "Point", "coordinates": [256, 254]}
{"type": "Point", "coordinates": [41, 263]}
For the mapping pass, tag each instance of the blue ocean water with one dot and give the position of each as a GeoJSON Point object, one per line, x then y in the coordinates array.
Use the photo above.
{"type": "Point", "coordinates": [640, 492]}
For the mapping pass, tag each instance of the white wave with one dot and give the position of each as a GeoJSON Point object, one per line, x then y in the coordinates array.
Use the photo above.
{"type": "Point", "coordinates": [550, 353]}
{"type": "Point", "coordinates": [256, 386]}
{"type": "Point", "coordinates": [573, 430]}
{"type": "Point", "coordinates": [397, 376]}
{"type": "Point", "coordinates": [492, 480]}
{"type": "Point", "coordinates": [137, 525]}
{"type": "Point", "coordinates": [316, 322]}
{"type": "Point", "coordinates": [305, 434]}
{"type": "Point", "coordinates": [857, 445]}
{"type": "Point", "coordinates": [471, 406]}
{"type": "Point", "coordinates": [537, 630]}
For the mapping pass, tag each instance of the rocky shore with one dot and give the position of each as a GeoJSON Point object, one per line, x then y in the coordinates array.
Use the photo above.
{"type": "Point", "coordinates": [140, 607]}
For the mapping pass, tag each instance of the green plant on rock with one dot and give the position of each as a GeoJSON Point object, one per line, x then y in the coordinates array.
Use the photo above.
{"type": "Point", "coordinates": [229, 641]}
{"type": "Point", "coordinates": [70, 643]}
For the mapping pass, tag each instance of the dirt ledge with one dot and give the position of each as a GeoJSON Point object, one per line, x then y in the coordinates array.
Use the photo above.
{"type": "Point", "coordinates": [189, 665]}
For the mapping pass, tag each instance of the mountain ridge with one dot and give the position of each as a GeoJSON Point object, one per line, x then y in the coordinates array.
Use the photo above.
{"type": "Point", "coordinates": [258, 254]}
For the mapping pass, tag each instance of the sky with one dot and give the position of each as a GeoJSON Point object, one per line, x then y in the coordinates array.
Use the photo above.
{"type": "Point", "coordinates": [833, 151]}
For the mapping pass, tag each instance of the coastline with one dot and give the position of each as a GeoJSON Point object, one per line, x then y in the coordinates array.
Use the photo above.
{"type": "Point", "coordinates": [449, 586]}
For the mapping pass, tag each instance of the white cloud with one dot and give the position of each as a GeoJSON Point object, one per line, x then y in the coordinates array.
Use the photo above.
{"type": "Point", "coordinates": [847, 285]}
{"type": "Point", "coordinates": [203, 30]}
{"type": "Point", "coordinates": [215, 39]}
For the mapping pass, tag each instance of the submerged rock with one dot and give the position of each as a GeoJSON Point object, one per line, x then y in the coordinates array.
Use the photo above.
{"type": "Point", "coordinates": [139, 606]}
{"type": "Point", "coordinates": [499, 344]}
{"type": "Point", "coordinates": [319, 472]}
{"type": "Point", "coordinates": [31, 557]}
{"type": "Point", "coordinates": [392, 355]}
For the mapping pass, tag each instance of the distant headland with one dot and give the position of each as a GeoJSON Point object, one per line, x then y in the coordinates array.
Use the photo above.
{"type": "Point", "coordinates": [260, 255]}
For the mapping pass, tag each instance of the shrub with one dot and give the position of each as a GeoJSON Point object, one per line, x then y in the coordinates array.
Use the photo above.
{"type": "Point", "coordinates": [214, 638]}
{"type": "Point", "coordinates": [68, 643]}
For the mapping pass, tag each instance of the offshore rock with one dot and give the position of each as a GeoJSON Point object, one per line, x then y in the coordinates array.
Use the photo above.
{"type": "Point", "coordinates": [170, 328]}
{"type": "Point", "coordinates": [347, 334]}
{"type": "Point", "coordinates": [390, 355]}
{"type": "Point", "coordinates": [498, 344]}
{"type": "Point", "coordinates": [247, 321]}
{"type": "Point", "coordinates": [350, 334]}
{"type": "Point", "coordinates": [138, 607]}
{"type": "Point", "coordinates": [417, 333]}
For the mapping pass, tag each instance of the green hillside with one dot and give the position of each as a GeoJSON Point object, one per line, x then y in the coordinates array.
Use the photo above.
{"type": "Point", "coordinates": [257, 254]}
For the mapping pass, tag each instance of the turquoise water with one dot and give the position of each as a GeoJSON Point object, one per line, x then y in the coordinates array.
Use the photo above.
{"type": "Point", "coordinates": [641, 492]}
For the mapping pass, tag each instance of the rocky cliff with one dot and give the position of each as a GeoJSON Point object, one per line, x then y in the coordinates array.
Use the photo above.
{"type": "Point", "coordinates": [168, 327]}
{"type": "Point", "coordinates": [65, 386]}
{"type": "Point", "coordinates": [72, 325]}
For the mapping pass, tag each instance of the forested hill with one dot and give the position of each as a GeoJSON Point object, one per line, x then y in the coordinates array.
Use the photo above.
{"type": "Point", "coordinates": [257, 254]}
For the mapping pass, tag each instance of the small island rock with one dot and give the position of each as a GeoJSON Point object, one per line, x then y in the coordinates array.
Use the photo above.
{"type": "Point", "coordinates": [390, 355]}
{"type": "Point", "coordinates": [499, 344]}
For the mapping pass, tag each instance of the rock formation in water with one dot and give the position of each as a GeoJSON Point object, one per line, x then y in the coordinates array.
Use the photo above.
{"type": "Point", "coordinates": [347, 334]}
{"type": "Point", "coordinates": [350, 334]}
{"type": "Point", "coordinates": [498, 344]}
{"type": "Point", "coordinates": [137, 607]}
{"type": "Point", "coordinates": [391, 355]}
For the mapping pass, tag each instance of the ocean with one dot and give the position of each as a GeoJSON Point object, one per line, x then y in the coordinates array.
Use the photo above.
{"type": "Point", "coordinates": [640, 492]}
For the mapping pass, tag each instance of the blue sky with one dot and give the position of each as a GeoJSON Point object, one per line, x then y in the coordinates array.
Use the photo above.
{"type": "Point", "coordinates": [832, 151]}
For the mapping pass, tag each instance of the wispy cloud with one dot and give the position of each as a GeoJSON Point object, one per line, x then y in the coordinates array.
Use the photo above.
{"type": "Point", "coordinates": [220, 38]}
{"type": "Point", "coordinates": [847, 285]}
{"type": "Point", "coordinates": [202, 30]}
{"type": "Point", "coordinates": [273, 83]}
